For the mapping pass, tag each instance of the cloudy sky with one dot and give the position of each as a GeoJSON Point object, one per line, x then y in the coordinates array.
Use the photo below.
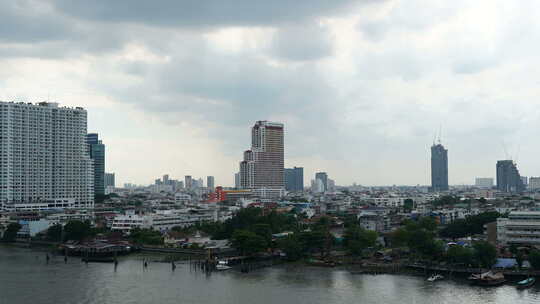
{"type": "Point", "coordinates": [362, 86]}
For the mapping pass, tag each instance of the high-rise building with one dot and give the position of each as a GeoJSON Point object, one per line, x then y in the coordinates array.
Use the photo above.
{"type": "Point", "coordinates": [188, 182]}
{"type": "Point", "coordinates": [294, 179]}
{"type": "Point", "coordinates": [210, 182]}
{"type": "Point", "coordinates": [263, 165]}
{"type": "Point", "coordinates": [324, 180]}
{"type": "Point", "coordinates": [508, 178]}
{"type": "Point", "coordinates": [483, 182]}
{"type": "Point", "coordinates": [96, 149]}
{"type": "Point", "coordinates": [439, 168]}
{"type": "Point", "coordinates": [109, 180]}
{"type": "Point", "coordinates": [44, 156]}
{"type": "Point", "coordinates": [165, 179]}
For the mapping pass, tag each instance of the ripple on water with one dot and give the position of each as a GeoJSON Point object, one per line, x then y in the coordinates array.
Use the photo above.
{"type": "Point", "coordinates": [26, 278]}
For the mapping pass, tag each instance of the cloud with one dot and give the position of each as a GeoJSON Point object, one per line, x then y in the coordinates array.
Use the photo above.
{"type": "Point", "coordinates": [302, 42]}
{"type": "Point", "coordinates": [211, 13]}
{"type": "Point", "coordinates": [362, 86]}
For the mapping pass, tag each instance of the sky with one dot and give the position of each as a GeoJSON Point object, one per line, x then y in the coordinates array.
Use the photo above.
{"type": "Point", "coordinates": [363, 87]}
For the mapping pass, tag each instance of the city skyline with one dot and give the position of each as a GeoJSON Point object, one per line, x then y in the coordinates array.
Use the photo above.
{"type": "Point", "coordinates": [354, 82]}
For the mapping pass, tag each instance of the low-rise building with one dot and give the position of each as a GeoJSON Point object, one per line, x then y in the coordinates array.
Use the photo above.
{"type": "Point", "coordinates": [521, 228]}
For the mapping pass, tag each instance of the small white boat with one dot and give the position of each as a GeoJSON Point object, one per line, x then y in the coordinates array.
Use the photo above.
{"type": "Point", "coordinates": [435, 277]}
{"type": "Point", "coordinates": [222, 265]}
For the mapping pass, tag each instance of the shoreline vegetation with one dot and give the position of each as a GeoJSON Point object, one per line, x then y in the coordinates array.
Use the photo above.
{"type": "Point", "coordinates": [257, 234]}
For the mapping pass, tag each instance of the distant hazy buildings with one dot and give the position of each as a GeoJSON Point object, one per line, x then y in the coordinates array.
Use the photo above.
{"type": "Point", "coordinates": [97, 153]}
{"type": "Point", "coordinates": [44, 156]}
{"type": "Point", "coordinates": [322, 183]}
{"type": "Point", "coordinates": [188, 182]}
{"type": "Point", "coordinates": [484, 182]}
{"type": "Point", "coordinates": [534, 183]}
{"type": "Point", "coordinates": [263, 166]}
{"type": "Point", "coordinates": [110, 180]}
{"type": "Point", "coordinates": [210, 182]}
{"type": "Point", "coordinates": [323, 177]}
{"type": "Point", "coordinates": [439, 168]}
{"type": "Point", "coordinates": [237, 180]}
{"type": "Point", "coordinates": [508, 178]}
{"type": "Point", "coordinates": [110, 183]}
{"type": "Point", "coordinates": [294, 179]}
{"type": "Point", "coordinates": [525, 181]}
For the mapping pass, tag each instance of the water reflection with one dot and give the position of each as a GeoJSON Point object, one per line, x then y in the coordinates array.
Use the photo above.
{"type": "Point", "coordinates": [26, 278]}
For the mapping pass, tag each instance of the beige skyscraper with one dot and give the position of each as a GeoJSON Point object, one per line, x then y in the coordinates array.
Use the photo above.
{"type": "Point", "coordinates": [263, 165]}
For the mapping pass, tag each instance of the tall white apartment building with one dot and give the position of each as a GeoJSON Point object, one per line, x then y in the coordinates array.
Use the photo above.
{"type": "Point", "coordinates": [43, 155]}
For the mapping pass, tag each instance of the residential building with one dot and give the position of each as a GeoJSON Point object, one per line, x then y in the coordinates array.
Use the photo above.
{"type": "Point", "coordinates": [43, 155]}
{"type": "Point", "coordinates": [534, 183]}
{"type": "Point", "coordinates": [439, 168]}
{"type": "Point", "coordinates": [520, 228]}
{"type": "Point", "coordinates": [508, 178]}
{"type": "Point", "coordinates": [263, 165]}
{"type": "Point", "coordinates": [96, 148]}
{"type": "Point", "coordinates": [294, 179]}
{"type": "Point", "coordinates": [484, 182]}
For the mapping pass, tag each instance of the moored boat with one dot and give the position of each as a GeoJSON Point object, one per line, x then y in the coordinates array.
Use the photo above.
{"type": "Point", "coordinates": [488, 279]}
{"type": "Point", "coordinates": [528, 282]}
{"type": "Point", "coordinates": [315, 262]}
{"type": "Point", "coordinates": [435, 277]}
{"type": "Point", "coordinates": [222, 266]}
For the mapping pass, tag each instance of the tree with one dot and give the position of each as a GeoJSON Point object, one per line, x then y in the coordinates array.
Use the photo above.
{"type": "Point", "coordinates": [313, 240]}
{"type": "Point", "coordinates": [10, 235]}
{"type": "Point", "coordinates": [248, 242]}
{"type": "Point", "coordinates": [408, 205]}
{"type": "Point", "coordinates": [146, 237]}
{"type": "Point", "coordinates": [356, 239]}
{"type": "Point", "coordinates": [469, 226]}
{"type": "Point", "coordinates": [422, 242]}
{"type": "Point", "coordinates": [446, 200]}
{"type": "Point", "coordinates": [459, 254]}
{"type": "Point", "coordinates": [399, 237]}
{"type": "Point", "coordinates": [519, 259]}
{"type": "Point", "coordinates": [77, 230]}
{"type": "Point", "coordinates": [534, 259]}
{"type": "Point", "coordinates": [428, 223]}
{"type": "Point", "coordinates": [54, 233]}
{"type": "Point", "coordinates": [264, 231]}
{"type": "Point", "coordinates": [485, 254]}
{"type": "Point", "coordinates": [292, 247]}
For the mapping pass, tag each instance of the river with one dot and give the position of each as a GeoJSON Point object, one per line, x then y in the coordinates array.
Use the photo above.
{"type": "Point", "coordinates": [25, 277]}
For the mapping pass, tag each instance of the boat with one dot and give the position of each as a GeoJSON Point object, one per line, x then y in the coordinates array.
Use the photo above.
{"type": "Point", "coordinates": [435, 277]}
{"type": "Point", "coordinates": [528, 282]}
{"type": "Point", "coordinates": [222, 266]}
{"type": "Point", "coordinates": [488, 279]}
{"type": "Point", "coordinates": [322, 263]}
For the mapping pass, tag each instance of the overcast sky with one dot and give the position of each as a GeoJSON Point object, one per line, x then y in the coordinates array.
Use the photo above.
{"type": "Point", "coordinates": [362, 87]}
